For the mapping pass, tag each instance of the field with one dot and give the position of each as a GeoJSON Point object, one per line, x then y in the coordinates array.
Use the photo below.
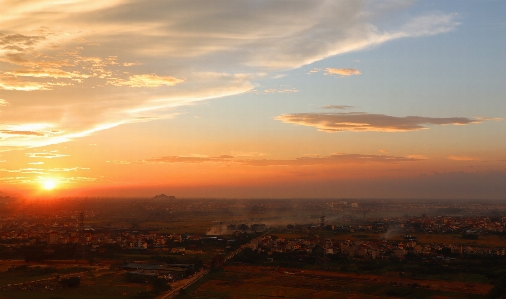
{"type": "Point", "coordinates": [268, 282]}
{"type": "Point", "coordinates": [96, 282]}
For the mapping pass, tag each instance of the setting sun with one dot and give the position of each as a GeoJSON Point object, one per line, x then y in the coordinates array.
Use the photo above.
{"type": "Point", "coordinates": [49, 184]}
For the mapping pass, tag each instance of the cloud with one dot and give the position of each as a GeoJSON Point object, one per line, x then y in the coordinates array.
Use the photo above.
{"type": "Point", "coordinates": [9, 82]}
{"type": "Point", "coordinates": [284, 90]}
{"type": "Point", "coordinates": [85, 55]}
{"type": "Point", "coordinates": [190, 159]}
{"type": "Point", "coordinates": [15, 180]}
{"type": "Point", "coordinates": [3, 103]}
{"type": "Point", "coordinates": [364, 122]}
{"type": "Point", "coordinates": [147, 81]}
{"type": "Point", "coordinates": [420, 157]}
{"type": "Point", "coordinates": [47, 73]}
{"type": "Point", "coordinates": [342, 72]}
{"type": "Point", "coordinates": [19, 42]}
{"type": "Point", "coordinates": [67, 169]}
{"type": "Point", "coordinates": [315, 70]}
{"type": "Point", "coordinates": [247, 154]}
{"type": "Point", "coordinates": [80, 179]}
{"type": "Point", "coordinates": [338, 107]}
{"type": "Point", "coordinates": [333, 159]}
{"type": "Point", "coordinates": [25, 170]}
{"type": "Point", "coordinates": [21, 133]}
{"type": "Point", "coordinates": [46, 155]}
{"type": "Point", "coordinates": [462, 158]}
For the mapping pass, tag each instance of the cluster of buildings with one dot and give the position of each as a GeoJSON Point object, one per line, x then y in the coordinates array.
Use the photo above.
{"type": "Point", "coordinates": [98, 240]}
{"type": "Point", "coordinates": [379, 249]}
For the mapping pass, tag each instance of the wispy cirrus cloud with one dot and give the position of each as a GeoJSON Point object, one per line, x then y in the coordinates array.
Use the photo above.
{"type": "Point", "coordinates": [462, 158]}
{"type": "Point", "coordinates": [342, 72]}
{"type": "Point", "coordinates": [15, 180]}
{"type": "Point", "coordinates": [67, 169]}
{"type": "Point", "coordinates": [25, 170]}
{"type": "Point", "coordinates": [147, 81]}
{"type": "Point", "coordinates": [333, 159]}
{"type": "Point", "coordinates": [46, 155]}
{"type": "Point", "coordinates": [47, 73]}
{"type": "Point", "coordinates": [367, 122]}
{"type": "Point", "coordinates": [9, 82]}
{"type": "Point", "coordinates": [338, 107]}
{"type": "Point", "coordinates": [30, 133]}
{"type": "Point", "coordinates": [190, 159]}
{"type": "Point", "coordinates": [284, 90]}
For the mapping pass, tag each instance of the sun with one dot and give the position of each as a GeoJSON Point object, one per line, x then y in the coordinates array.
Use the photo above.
{"type": "Point", "coordinates": [49, 184]}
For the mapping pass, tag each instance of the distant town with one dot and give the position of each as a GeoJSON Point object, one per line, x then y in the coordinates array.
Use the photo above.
{"type": "Point", "coordinates": [174, 242]}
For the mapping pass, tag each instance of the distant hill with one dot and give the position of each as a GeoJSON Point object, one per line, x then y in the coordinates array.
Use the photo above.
{"type": "Point", "coordinates": [164, 197]}
{"type": "Point", "coordinates": [3, 194]}
{"type": "Point", "coordinates": [6, 197]}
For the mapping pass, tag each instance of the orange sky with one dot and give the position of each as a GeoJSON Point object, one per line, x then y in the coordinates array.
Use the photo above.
{"type": "Point", "coordinates": [253, 99]}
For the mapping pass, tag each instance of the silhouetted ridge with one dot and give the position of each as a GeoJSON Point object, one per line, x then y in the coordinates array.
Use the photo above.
{"type": "Point", "coordinates": [164, 197]}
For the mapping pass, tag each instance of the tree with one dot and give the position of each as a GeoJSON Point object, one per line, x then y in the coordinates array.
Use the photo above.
{"type": "Point", "coordinates": [243, 227]}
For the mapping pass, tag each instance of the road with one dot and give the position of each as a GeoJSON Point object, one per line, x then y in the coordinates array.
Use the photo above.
{"type": "Point", "coordinates": [183, 283]}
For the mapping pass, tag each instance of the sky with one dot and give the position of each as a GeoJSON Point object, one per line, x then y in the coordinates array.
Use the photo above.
{"type": "Point", "coordinates": [253, 98]}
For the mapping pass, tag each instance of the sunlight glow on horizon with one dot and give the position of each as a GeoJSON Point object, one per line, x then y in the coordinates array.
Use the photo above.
{"type": "Point", "coordinates": [49, 184]}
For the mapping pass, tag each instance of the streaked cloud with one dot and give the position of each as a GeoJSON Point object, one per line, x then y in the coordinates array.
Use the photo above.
{"type": "Point", "coordinates": [315, 70]}
{"type": "Point", "coordinates": [81, 179]}
{"type": "Point", "coordinates": [463, 158]}
{"type": "Point", "coordinates": [342, 72]}
{"type": "Point", "coordinates": [67, 169]}
{"type": "Point", "coordinates": [284, 90]}
{"type": "Point", "coordinates": [420, 157]}
{"type": "Point", "coordinates": [366, 122]}
{"type": "Point", "coordinates": [21, 133]}
{"type": "Point", "coordinates": [15, 180]}
{"type": "Point", "coordinates": [247, 154]}
{"type": "Point", "coordinates": [337, 107]}
{"type": "Point", "coordinates": [4, 103]}
{"type": "Point", "coordinates": [333, 159]}
{"type": "Point", "coordinates": [147, 81]}
{"type": "Point", "coordinates": [46, 155]}
{"type": "Point", "coordinates": [25, 170]}
{"type": "Point", "coordinates": [9, 82]}
{"type": "Point", "coordinates": [46, 73]}
{"type": "Point", "coordinates": [189, 159]}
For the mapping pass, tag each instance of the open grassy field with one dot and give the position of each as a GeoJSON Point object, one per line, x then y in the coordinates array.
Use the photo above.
{"type": "Point", "coordinates": [494, 241]}
{"type": "Point", "coordinates": [263, 282]}
{"type": "Point", "coordinates": [99, 284]}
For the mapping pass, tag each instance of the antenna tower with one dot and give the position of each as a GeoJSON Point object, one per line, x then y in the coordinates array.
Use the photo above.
{"type": "Point", "coordinates": [321, 257]}
{"type": "Point", "coordinates": [81, 239]}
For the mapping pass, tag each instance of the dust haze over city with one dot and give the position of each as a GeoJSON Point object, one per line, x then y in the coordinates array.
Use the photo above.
{"type": "Point", "coordinates": [252, 149]}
